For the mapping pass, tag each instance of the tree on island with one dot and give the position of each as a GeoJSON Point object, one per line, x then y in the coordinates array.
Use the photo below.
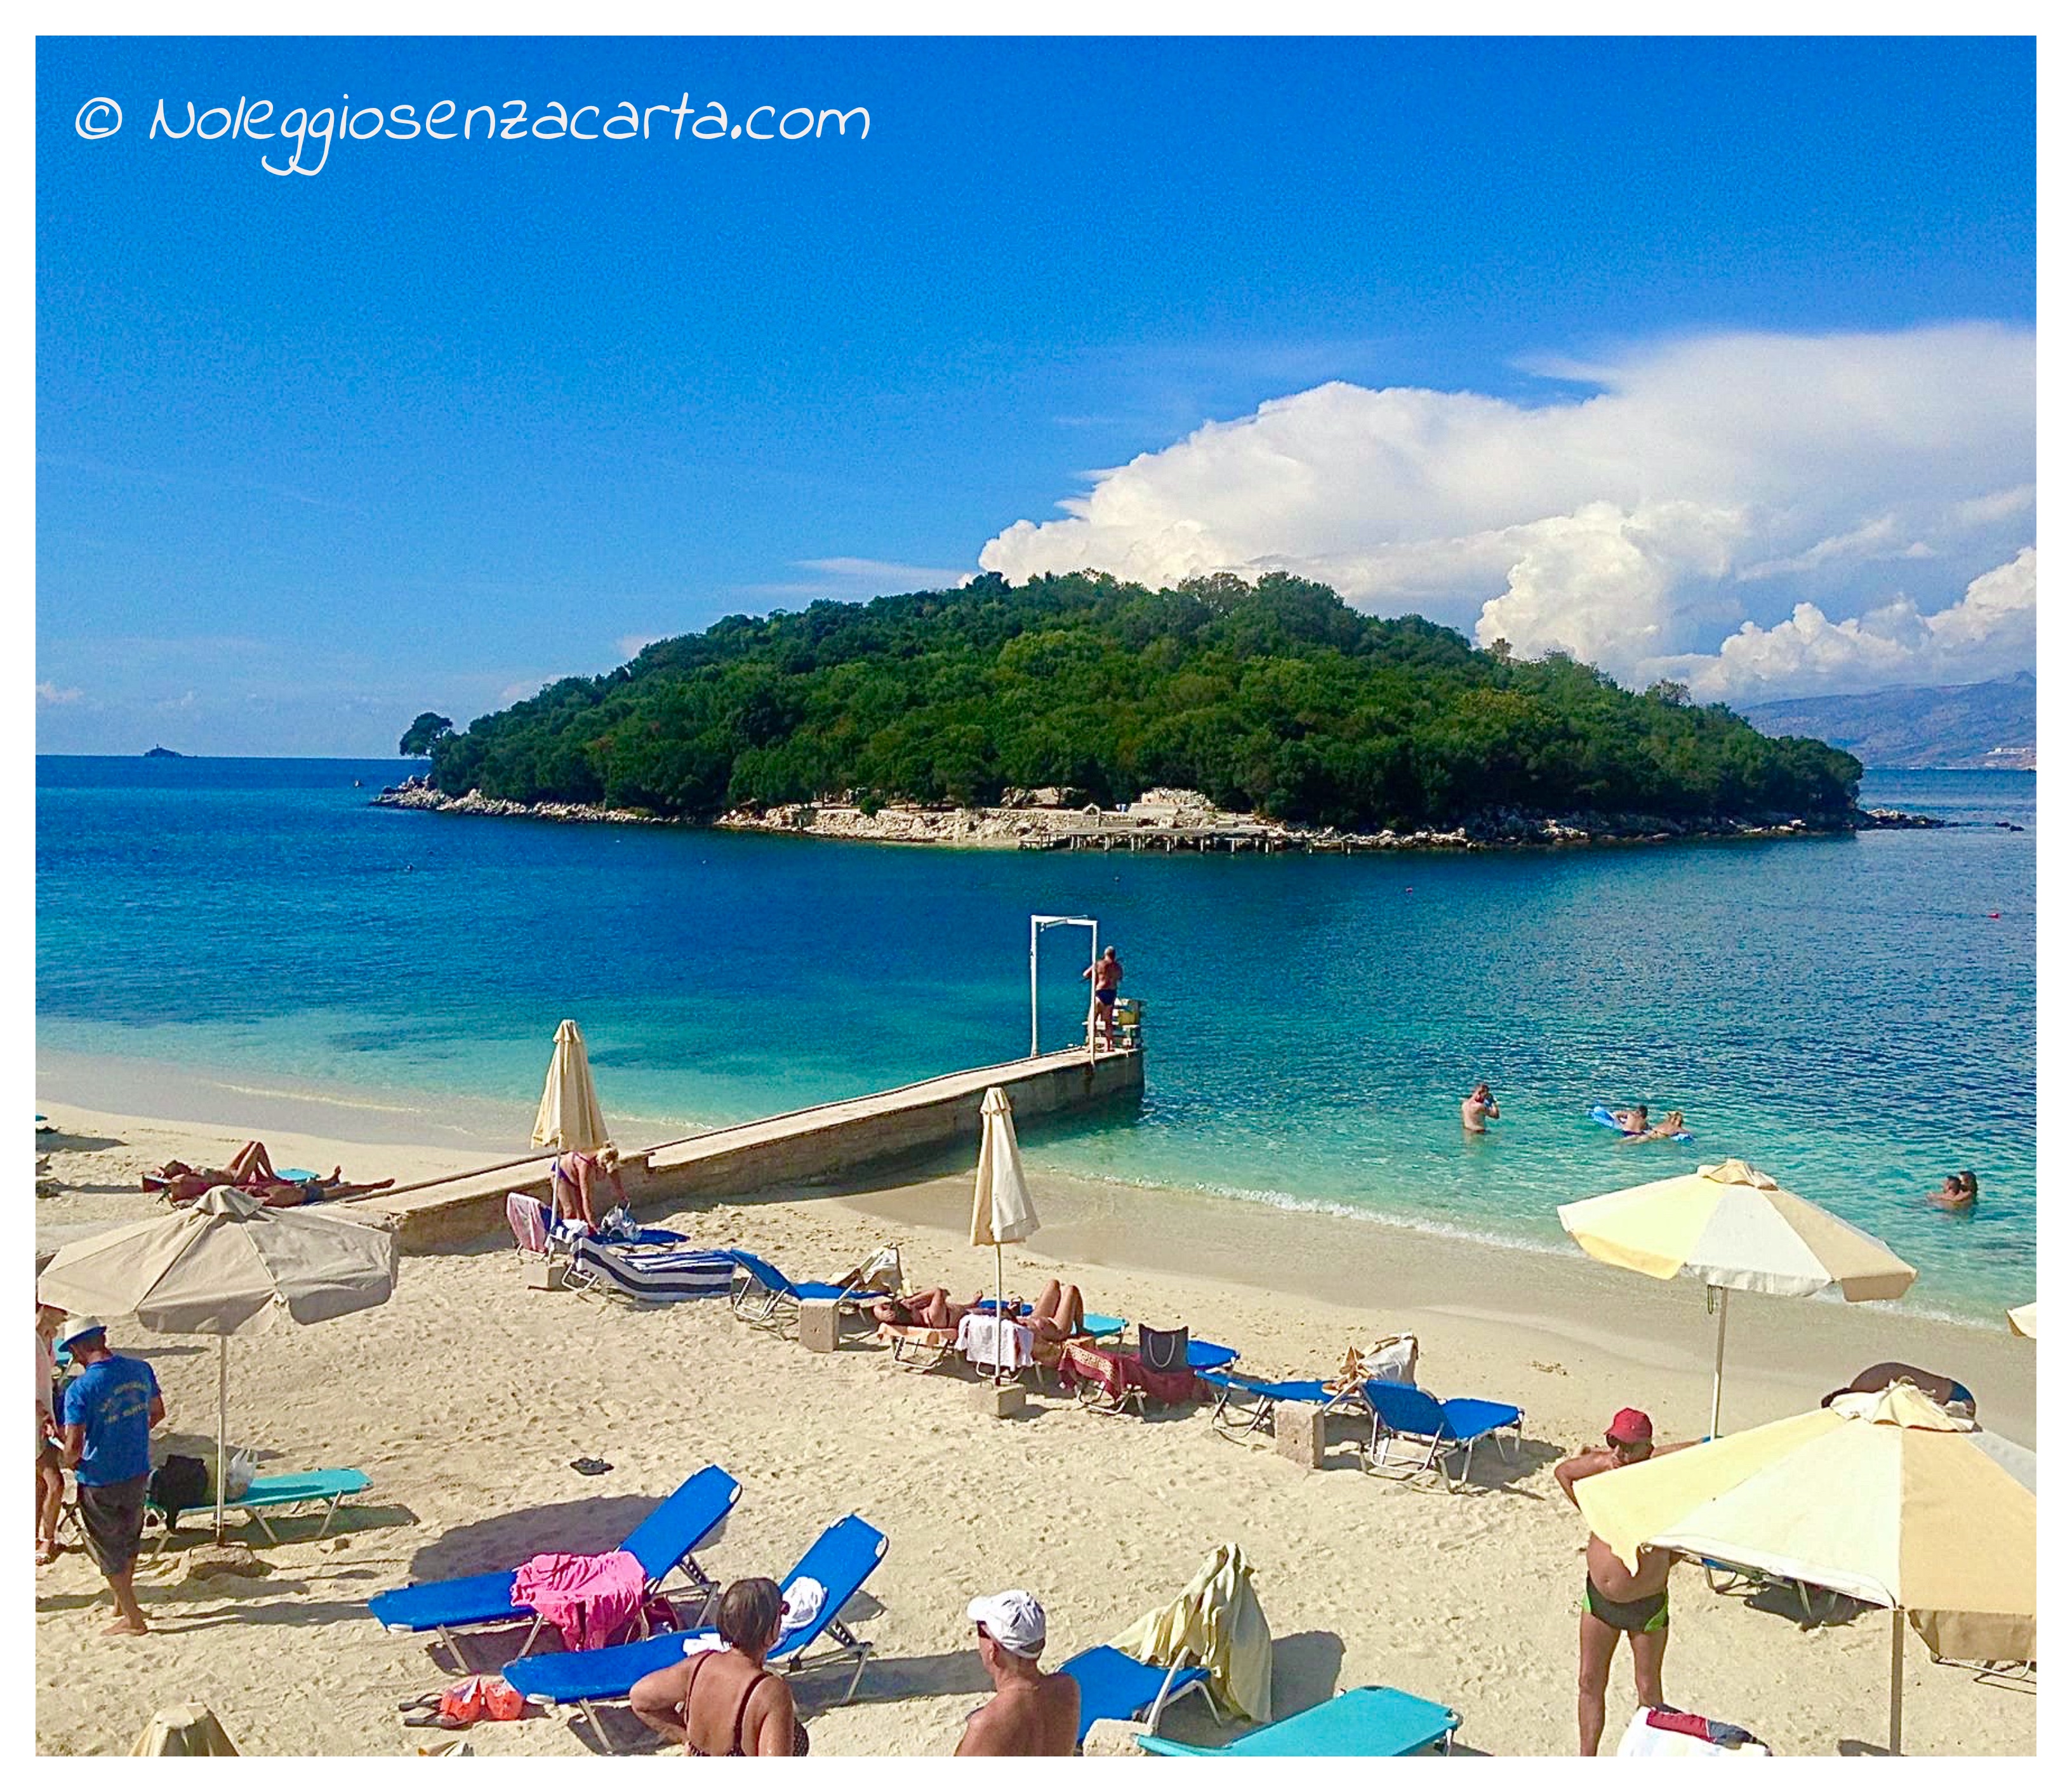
{"type": "Point", "coordinates": [1272, 696]}
{"type": "Point", "coordinates": [423, 734]}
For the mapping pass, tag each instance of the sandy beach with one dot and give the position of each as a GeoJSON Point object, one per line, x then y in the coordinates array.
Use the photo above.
{"type": "Point", "coordinates": [468, 1395]}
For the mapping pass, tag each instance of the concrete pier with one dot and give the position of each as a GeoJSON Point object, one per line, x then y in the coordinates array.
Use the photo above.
{"type": "Point", "coordinates": [798, 1147]}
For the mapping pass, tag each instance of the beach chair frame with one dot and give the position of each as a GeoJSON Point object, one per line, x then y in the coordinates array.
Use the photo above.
{"type": "Point", "coordinates": [918, 1348]}
{"type": "Point", "coordinates": [1438, 1447]}
{"type": "Point", "coordinates": [764, 1295]}
{"type": "Point", "coordinates": [1723, 1577]}
{"type": "Point", "coordinates": [1234, 1388]}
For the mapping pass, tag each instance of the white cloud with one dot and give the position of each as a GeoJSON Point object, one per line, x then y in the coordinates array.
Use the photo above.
{"type": "Point", "coordinates": [631, 645]}
{"type": "Point", "coordinates": [1990, 631]}
{"type": "Point", "coordinates": [1707, 483]}
{"type": "Point", "coordinates": [47, 692]}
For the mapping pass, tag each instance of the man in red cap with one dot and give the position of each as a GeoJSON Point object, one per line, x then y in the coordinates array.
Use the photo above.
{"type": "Point", "coordinates": [1614, 1602]}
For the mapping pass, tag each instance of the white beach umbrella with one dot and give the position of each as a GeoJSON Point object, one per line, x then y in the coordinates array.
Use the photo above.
{"type": "Point", "coordinates": [1884, 1496]}
{"type": "Point", "coordinates": [2021, 1320]}
{"type": "Point", "coordinates": [227, 1266]}
{"type": "Point", "coordinates": [570, 1118]}
{"type": "Point", "coordinates": [1732, 1227]}
{"type": "Point", "coordinates": [1002, 1211]}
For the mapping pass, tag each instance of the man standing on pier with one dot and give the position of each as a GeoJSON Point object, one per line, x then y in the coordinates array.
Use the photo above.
{"type": "Point", "coordinates": [1106, 972]}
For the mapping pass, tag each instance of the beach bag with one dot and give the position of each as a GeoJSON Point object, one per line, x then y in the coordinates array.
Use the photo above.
{"type": "Point", "coordinates": [1162, 1353]}
{"type": "Point", "coordinates": [237, 1473]}
{"type": "Point", "coordinates": [1393, 1359]}
{"type": "Point", "coordinates": [177, 1483]}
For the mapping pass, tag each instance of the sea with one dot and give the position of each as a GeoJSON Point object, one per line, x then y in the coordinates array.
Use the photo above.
{"type": "Point", "coordinates": [1854, 1016]}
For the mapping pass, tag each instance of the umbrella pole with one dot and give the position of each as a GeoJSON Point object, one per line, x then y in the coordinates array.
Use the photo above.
{"type": "Point", "coordinates": [222, 1417]}
{"type": "Point", "coordinates": [1719, 1362]}
{"type": "Point", "coordinates": [999, 1315]}
{"type": "Point", "coordinates": [1898, 1666]}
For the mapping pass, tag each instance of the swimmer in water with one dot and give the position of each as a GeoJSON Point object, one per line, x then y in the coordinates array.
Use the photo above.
{"type": "Point", "coordinates": [1956, 1193]}
{"type": "Point", "coordinates": [1666, 1128]}
{"type": "Point", "coordinates": [1632, 1121]}
{"type": "Point", "coordinates": [1480, 1106]}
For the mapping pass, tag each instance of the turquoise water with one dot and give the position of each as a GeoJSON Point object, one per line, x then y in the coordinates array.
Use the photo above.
{"type": "Point", "coordinates": [1844, 1014]}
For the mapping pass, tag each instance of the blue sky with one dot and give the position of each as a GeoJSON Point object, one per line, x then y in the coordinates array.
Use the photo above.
{"type": "Point", "coordinates": [1643, 348]}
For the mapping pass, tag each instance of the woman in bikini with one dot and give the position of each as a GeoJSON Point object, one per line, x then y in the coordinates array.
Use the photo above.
{"type": "Point", "coordinates": [724, 1701]}
{"type": "Point", "coordinates": [580, 1178]}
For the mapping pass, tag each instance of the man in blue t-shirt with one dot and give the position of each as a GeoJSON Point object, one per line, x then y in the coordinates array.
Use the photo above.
{"type": "Point", "coordinates": [110, 1409]}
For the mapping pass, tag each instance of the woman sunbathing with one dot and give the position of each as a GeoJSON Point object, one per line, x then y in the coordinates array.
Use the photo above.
{"type": "Point", "coordinates": [934, 1309]}
{"type": "Point", "coordinates": [252, 1171]}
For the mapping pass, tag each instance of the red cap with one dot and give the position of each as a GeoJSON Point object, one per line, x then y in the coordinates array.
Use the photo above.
{"type": "Point", "coordinates": [1630, 1425]}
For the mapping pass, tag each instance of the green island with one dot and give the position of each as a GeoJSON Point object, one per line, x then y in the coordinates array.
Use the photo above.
{"type": "Point", "coordinates": [1274, 697]}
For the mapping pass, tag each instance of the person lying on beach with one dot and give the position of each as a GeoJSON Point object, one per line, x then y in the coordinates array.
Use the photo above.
{"type": "Point", "coordinates": [1666, 1128]}
{"type": "Point", "coordinates": [1030, 1712]}
{"type": "Point", "coordinates": [1953, 1396]}
{"type": "Point", "coordinates": [580, 1177]}
{"type": "Point", "coordinates": [1480, 1106]}
{"type": "Point", "coordinates": [190, 1185]}
{"type": "Point", "coordinates": [724, 1701]}
{"type": "Point", "coordinates": [933, 1309]}
{"type": "Point", "coordinates": [1617, 1602]}
{"type": "Point", "coordinates": [1058, 1313]}
{"type": "Point", "coordinates": [182, 1182]}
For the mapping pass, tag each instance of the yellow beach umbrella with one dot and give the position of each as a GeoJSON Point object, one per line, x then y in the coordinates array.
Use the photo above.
{"type": "Point", "coordinates": [2021, 1320]}
{"type": "Point", "coordinates": [1885, 1497]}
{"type": "Point", "coordinates": [1001, 1210]}
{"type": "Point", "coordinates": [1732, 1227]}
{"type": "Point", "coordinates": [570, 1118]}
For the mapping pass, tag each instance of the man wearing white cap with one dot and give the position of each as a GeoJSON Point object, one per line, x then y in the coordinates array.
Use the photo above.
{"type": "Point", "coordinates": [1030, 1712]}
{"type": "Point", "coordinates": [110, 1409]}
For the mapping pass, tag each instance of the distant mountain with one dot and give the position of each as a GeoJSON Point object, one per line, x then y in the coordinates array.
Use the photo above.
{"type": "Point", "coordinates": [164, 753]}
{"type": "Point", "coordinates": [1990, 726]}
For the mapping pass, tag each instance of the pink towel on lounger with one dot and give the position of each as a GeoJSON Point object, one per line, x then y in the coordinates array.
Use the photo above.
{"type": "Point", "coordinates": [590, 1599]}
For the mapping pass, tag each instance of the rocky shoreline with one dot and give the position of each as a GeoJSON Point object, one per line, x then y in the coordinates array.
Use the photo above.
{"type": "Point", "coordinates": [1164, 820]}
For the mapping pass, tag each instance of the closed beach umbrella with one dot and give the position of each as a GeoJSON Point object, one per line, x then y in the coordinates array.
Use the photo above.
{"type": "Point", "coordinates": [227, 1266]}
{"type": "Point", "coordinates": [1885, 1497]}
{"type": "Point", "coordinates": [2021, 1320]}
{"type": "Point", "coordinates": [1002, 1211]}
{"type": "Point", "coordinates": [1732, 1227]}
{"type": "Point", "coordinates": [570, 1118]}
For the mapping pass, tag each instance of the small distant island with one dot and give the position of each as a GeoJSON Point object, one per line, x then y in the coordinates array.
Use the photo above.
{"type": "Point", "coordinates": [1273, 704]}
{"type": "Point", "coordinates": [163, 753]}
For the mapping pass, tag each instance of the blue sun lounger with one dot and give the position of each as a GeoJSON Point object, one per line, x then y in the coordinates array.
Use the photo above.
{"type": "Point", "coordinates": [1117, 1685]}
{"type": "Point", "coordinates": [1362, 1721]}
{"type": "Point", "coordinates": [764, 1294]}
{"type": "Point", "coordinates": [841, 1560]}
{"type": "Point", "coordinates": [272, 1493]}
{"type": "Point", "coordinates": [1408, 1415]}
{"type": "Point", "coordinates": [1244, 1403]}
{"type": "Point", "coordinates": [662, 1540]}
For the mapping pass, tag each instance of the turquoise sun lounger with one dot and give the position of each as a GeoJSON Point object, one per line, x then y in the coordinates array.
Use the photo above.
{"type": "Point", "coordinates": [280, 1493]}
{"type": "Point", "coordinates": [1116, 1686]}
{"type": "Point", "coordinates": [1362, 1721]}
{"type": "Point", "coordinates": [841, 1559]}
{"type": "Point", "coordinates": [662, 1541]}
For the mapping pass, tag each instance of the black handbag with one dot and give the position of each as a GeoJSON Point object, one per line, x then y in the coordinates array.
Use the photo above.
{"type": "Point", "coordinates": [1164, 1352]}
